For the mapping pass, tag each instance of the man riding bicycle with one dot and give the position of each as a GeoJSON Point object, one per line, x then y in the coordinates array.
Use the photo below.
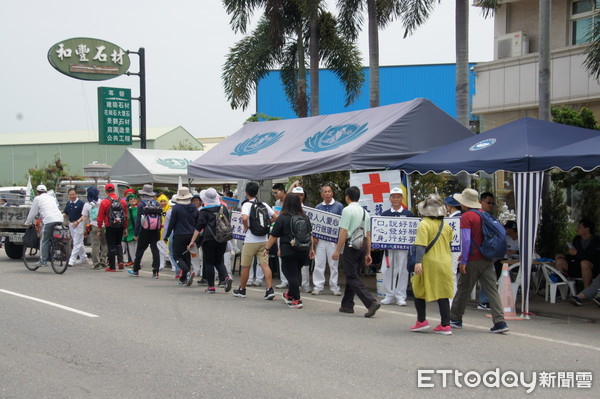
{"type": "Point", "coordinates": [47, 206]}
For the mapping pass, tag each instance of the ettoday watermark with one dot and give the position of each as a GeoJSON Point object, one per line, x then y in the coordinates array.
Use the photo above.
{"type": "Point", "coordinates": [497, 378]}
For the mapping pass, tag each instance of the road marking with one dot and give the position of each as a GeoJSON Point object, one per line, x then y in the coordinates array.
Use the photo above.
{"type": "Point", "coordinates": [56, 305]}
{"type": "Point", "coordinates": [512, 333]}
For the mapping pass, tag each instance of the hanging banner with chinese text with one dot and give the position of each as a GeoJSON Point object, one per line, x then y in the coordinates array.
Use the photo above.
{"type": "Point", "coordinates": [375, 189]}
{"type": "Point", "coordinates": [401, 232]}
{"type": "Point", "coordinates": [114, 116]}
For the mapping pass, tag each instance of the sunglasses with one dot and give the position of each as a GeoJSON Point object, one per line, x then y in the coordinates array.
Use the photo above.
{"type": "Point", "coordinates": [490, 203]}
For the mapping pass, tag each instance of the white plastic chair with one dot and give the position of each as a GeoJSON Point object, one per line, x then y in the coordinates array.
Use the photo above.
{"type": "Point", "coordinates": [563, 284]}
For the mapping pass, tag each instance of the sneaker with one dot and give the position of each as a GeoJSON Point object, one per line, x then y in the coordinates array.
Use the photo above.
{"type": "Point", "coordinates": [483, 306]}
{"type": "Point", "coordinates": [108, 269]}
{"type": "Point", "coordinates": [178, 275]}
{"type": "Point", "coordinates": [133, 274]}
{"type": "Point", "coordinates": [316, 292]}
{"type": "Point", "coordinates": [402, 303]}
{"type": "Point", "coordinates": [39, 264]}
{"type": "Point", "coordinates": [420, 326]}
{"type": "Point", "coordinates": [221, 284]}
{"type": "Point", "coordinates": [337, 293]}
{"type": "Point", "coordinates": [281, 286]}
{"type": "Point", "coordinates": [97, 266]}
{"type": "Point", "coordinates": [346, 310]}
{"type": "Point", "coordinates": [180, 282]}
{"type": "Point", "coordinates": [388, 301]}
{"type": "Point", "coordinates": [129, 264]}
{"type": "Point", "coordinates": [307, 290]}
{"type": "Point", "coordinates": [499, 327]}
{"type": "Point", "coordinates": [240, 293]}
{"type": "Point", "coordinates": [210, 290]}
{"type": "Point", "coordinates": [269, 295]}
{"type": "Point", "coordinates": [457, 324]}
{"type": "Point", "coordinates": [372, 309]}
{"type": "Point", "coordinates": [228, 284]}
{"type": "Point", "coordinates": [445, 330]}
{"type": "Point", "coordinates": [286, 298]}
{"type": "Point", "coordinates": [575, 300]}
{"type": "Point", "coordinates": [202, 281]}
{"type": "Point", "coordinates": [596, 299]}
{"type": "Point", "coordinates": [121, 266]}
{"type": "Point", "coordinates": [295, 304]}
{"type": "Point", "coordinates": [155, 274]}
{"type": "Point", "coordinates": [190, 278]}
{"type": "Point", "coordinates": [257, 283]}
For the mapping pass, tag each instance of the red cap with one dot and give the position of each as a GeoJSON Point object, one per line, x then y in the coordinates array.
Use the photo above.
{"type": "Point", "coordinates": [109, 187]}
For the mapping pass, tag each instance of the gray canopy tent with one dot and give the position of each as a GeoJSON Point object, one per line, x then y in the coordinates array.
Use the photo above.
{"type": "Point", "coordinates": [358, 140]}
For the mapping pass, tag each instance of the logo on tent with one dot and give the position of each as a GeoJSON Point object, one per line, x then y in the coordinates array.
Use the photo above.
{"type": "Point", "coordinates": [256, 143]}
{"type": "Point", "coordinates": [334, 137]}
{"type": "Point", "coordinates": [482, 144]}
{"type": "Point", "coordinates": [174, 163]}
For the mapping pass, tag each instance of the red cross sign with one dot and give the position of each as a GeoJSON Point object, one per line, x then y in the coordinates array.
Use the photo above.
{"type": "Point", "coordinates": [376, 187]}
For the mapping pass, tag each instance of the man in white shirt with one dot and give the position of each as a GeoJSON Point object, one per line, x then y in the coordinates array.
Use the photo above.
{"type": "Point", "coordinates": [254, 244]}
{"type": "Point", "coordinates": [47, 207]}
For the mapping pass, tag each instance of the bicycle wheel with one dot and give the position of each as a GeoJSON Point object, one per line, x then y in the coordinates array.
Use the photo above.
{"type": "Point", "coordinates": [31, 256]}
{"type": "Point", "coordinates": [59, 257]}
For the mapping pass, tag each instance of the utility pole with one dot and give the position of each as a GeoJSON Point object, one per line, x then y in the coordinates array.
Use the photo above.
{"type": "Point", "coordinates": [142, 98]}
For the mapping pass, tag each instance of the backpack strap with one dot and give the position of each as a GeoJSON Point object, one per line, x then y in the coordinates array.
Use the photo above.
{"type": "Point", "coordinates": [432, 243]}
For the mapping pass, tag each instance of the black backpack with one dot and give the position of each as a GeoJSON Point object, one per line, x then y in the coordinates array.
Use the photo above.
{"type": "Point", "coordinates": [223, 231]}
{"type": "Point", "coordinates": [300, 232]}
{"type": "Point", "coordinates": [260, 222]}
{"type": "Point", "coordinates": [116, 214]}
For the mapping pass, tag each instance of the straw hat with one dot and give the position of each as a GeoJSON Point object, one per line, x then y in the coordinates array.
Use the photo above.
{"type": "Point", "coordinates": [184, 196]}
{"type": "Point", "coordinates": [468, 198]}
{"type": "Point", "coordinates": [432, 206]}
{"type": "Point", "coordinates": [147, 191]}
{"type": "Point", "coordinates": [210, 197]}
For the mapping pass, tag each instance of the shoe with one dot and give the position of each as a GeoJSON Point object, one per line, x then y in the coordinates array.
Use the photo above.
{"type": "Point", "coordinates": [129, 264]}
{"type": "Point", "coordinates": [97, 266]}
{"type": "Point", "coordinates": [372, 309]}
{"type": "Point", "coordinates": [240, 293]}
{"type": "Point", "coordinates": [286, 298]}
{"type": "Point", "coordinates": [190, 278]}
{"type": "Point", "coordinates": [296, 304]}
{"type": "Point", "coordinates": [178, 275]}
{"type": "Point", "coordinates": [155, 274]}
{"type": "Point", "coordinates": [228, 284]}
{"type": "Point", "coordinates": [483, 306]}
{"type": "Point", "coordinates": [499, 327]}
{"type": "Point", "coordinates": [402, 303]}
{"type": "Point", "coordinates": [210, 290]}
{"type": "Point", "coordinates": [307, 290]}
{"type": "Point", "coordinates": [269, 295]}
{"type": "Point", "coordinates": [133, 274]}
{"type": "Point", "coordinates": [180, 282]}
{"type": "Point", "coordinates": [575, 300]}
{"type": "Point", "coordinates": [39, 264]}
{"type": "Point", "coordinates": [281, 286]}
{"type": "Point", "coordinates": [596, 299]}
{"type": "Point", "coordinates": [316, 292]}
{"type": "Point", "coordinates": [388, 301]}
{"type": "Point", "coordinates": [221, 284]}
{"type": "Point", "coordinates": [457, 324]}
{"type": "Point", "coordinates": [257, 283]}
{"type": "Point", "coordinates": [108, 269]}
{"type": "Point", "coordinates": [337, 293]}
{"type": "Point", "coordinates": [121, 266]}
{"type": "Point", "coordinates": [445, 330]}
{"type": "Point", "coordinates": [202, 281]}
{"type": "Point", "coordinates": [420, 326]}
{"type": "Point", "coordinates": [346, 310]}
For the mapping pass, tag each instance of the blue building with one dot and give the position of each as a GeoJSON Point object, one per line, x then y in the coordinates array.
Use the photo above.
{"type": "Point", "coordinates": [436, 82]}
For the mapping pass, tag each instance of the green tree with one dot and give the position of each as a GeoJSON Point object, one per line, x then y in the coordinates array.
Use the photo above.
{"type": "Point", "coordinates": [187, 145]}
{"type": "Point", "coordinates": [553, 225]}
{"type": "Point", "coordinates": [49, 174]}
{"type": "Point", "coordinates": [260, 117]}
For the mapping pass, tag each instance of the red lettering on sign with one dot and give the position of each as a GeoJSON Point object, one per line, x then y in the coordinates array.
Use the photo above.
{"type": "Point", "coordinates": [376, 187]}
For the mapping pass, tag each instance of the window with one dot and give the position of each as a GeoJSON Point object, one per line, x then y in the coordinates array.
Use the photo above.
{"type": "Point", "coordinates": [584, 14]}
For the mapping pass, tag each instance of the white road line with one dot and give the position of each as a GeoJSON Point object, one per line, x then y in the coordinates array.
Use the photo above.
{"type": "Point", "coordinates": [473, 326]}
{"type": "Point", "coordinates": [56, 305]}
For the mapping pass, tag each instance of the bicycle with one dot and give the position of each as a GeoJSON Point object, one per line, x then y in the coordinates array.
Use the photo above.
{"type": "Point", "coordinates": [58, 253]}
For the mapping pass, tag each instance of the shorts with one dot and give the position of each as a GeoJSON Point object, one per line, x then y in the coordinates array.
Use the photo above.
{"type": "Point", "coordinates": [575, 267]}
{"type": "Point", "coordinates": [250, 250]}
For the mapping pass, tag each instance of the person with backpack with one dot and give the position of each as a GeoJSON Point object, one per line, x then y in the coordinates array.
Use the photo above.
{"type": "Point", "coordinates": [476, 261]}
{"type": "Point", "coordinates": [113, 214]}
{"type": "Point", "coordinates": [184, 216]}
{"type": "Point", "coordinates": [433, 279]}
{"type": "Point", "coordinates": [215, 220]}
{"type": "Point", "coordinates": [147, 230]}
{"type": "Point", "coordinates": [256, 218]}
{"type": "Point", "coordinates": [294, 231]}
{"type": "Point", "coordinates": [98, 241]}
{"type": "Point", "coordinates": [130, 242]}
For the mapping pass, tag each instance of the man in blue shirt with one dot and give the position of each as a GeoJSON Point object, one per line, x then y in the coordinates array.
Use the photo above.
{"type": "Point", "coordinates": [324, 249]}
{"type": "Point", "coordinates": [73, 211]}
{"type": "Point", "coordinates": [395, 273]}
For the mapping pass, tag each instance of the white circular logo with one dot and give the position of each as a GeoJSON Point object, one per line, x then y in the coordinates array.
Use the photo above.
{"type": "Point", "coordinates": [482, 144]}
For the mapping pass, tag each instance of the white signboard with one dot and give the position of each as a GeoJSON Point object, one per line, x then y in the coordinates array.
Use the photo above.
{"type": "Point", "coordinates": [400, 233]}
{"type": "Point", "coordinates": [237, 226]}
{"type": "Point", "coordinates": [375, 189]}
{"type": "Point", "coordinates": [325, 225]}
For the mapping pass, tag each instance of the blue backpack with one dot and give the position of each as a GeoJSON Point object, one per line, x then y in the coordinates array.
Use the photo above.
{"type": "Point", "coordinates": [493, 245]}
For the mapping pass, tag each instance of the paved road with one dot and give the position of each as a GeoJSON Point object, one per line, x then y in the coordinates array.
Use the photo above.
{"type": "Point", "coordinates": [154, 339]}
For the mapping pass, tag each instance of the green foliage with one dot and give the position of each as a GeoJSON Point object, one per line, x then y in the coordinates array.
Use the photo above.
{"type": "Point", "coordinates": [423, 185]}
{"type": "Point", "coordinates": [568, 116]}
{"type": "Point", "coordinates": [311, 184]}
{"type": "Point", "coordinates": [260, 117]}
{"type": "Point", "coordinates": [554, 231]}
{"type": "Point", "coordinates": [187, 145]}
{"type": "Point", "coordinates": [50, 175]}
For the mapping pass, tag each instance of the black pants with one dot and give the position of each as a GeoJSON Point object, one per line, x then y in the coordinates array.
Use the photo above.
{"type": "Point", "coordinates": [147, 237]}
{"type": "Point", "coordinates": [353, 260]}
{"type": "Point", "coordinates": [291, 266]}
{"type": "Point", "coordinates": [212, 257]}
{"type": "Point", "coordinates": [443, 304]}
{"type": "Point", "coordinates": [181, 254]}
{"type": "Point", "coordinates": [114, 235]}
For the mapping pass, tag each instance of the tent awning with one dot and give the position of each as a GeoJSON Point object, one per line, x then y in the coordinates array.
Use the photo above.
{"type": "Point", "coordinates": [366, 139]}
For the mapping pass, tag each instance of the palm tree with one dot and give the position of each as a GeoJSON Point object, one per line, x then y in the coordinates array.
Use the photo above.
{"type": "Point", "coordinates": [280, 40]}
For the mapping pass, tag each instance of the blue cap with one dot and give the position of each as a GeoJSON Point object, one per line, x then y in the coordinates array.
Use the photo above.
{"type": "Point", "coordinates": [449, 200]}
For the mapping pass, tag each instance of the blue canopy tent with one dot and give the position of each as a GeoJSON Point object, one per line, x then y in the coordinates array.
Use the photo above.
{"type": "Point", "coordinates": [583, 154]}
{"type": "Point", "coordinates": [513, 147]}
